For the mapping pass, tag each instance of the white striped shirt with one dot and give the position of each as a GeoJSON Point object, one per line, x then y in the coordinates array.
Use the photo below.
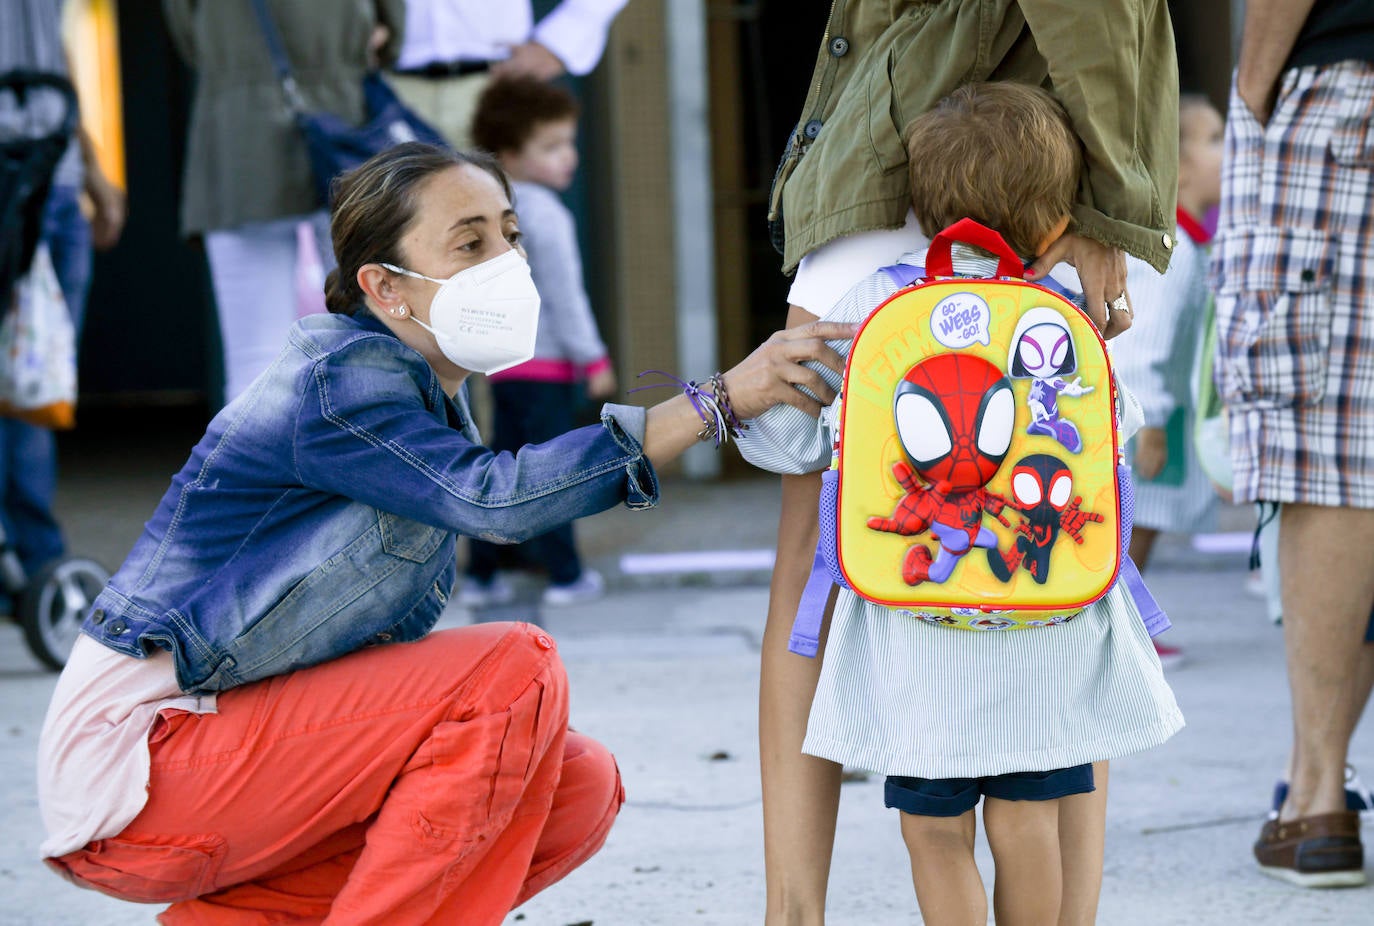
{"type": "Point", "coordinates": [1157, 358]}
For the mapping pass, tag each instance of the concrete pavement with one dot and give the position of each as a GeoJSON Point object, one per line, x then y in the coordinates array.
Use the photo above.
{"type": "Point", "coordinates": [664, 671]}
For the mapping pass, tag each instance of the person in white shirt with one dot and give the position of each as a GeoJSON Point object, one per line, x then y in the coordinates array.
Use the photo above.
{"type": "Point", "coordinates": [453, 47]}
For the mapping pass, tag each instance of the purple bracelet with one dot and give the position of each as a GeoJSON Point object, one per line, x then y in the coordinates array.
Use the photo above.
{"type": "Point", "coordinates": [718, 419]}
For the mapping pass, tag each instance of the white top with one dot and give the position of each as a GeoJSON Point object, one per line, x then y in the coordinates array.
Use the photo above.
{"type": "Point", "coordinates": [480, 30]}
{"type": "Point", "coordinates": [900, 696]}
{"type": "Point", "coordinates": [1155, 356]}
{"type": "Point", "coordinates": [827, 273]}
{"type": "Point", "coordinates": [93, 756]}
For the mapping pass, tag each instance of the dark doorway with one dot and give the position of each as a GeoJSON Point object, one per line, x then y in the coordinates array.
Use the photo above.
{"type": "Point", "coordinates": [150, 335]}
{"type": "Point", "coordinates": [761, 56]}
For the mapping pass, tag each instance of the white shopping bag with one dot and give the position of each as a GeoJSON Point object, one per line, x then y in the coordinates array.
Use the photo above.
{"type": "Point", "coordinates": [38, 350]}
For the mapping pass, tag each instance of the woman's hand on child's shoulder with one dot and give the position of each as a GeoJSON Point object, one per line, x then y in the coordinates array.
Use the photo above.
{"type": "Point", "coordinates": [775, 373]}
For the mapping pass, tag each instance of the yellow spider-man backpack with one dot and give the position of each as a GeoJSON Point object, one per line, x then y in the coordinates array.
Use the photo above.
{"type": "Point", "coordinates": [976, 480]}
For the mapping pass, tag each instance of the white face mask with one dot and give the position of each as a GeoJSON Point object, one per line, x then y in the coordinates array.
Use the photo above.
{"type": "Point", "coordinates": [484, 318]}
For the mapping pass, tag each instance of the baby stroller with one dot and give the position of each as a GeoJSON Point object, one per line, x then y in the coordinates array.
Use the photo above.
{"type": "Point", "coordinates": [37, 119]}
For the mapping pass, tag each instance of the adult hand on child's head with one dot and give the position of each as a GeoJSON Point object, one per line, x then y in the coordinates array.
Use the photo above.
{"type": "Point", "coordinates": [1101, 272]}
{"type": "Point", "coordinates": [773, 373]}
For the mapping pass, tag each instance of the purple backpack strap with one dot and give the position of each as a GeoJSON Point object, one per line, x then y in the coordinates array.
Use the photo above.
{"type": "Point", "coordinates": [806, 627]}
{"type": "Point", "coordinates": [904, 274]}
{"type": "Point", "coordinates": [1156, 621]}
{"type": "Point", "coordinates": [825, 572]}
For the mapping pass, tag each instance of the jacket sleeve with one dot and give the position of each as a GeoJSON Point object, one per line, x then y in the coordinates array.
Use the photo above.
{"type": "Point", "coordinates": [1112, 64]}
{"type": "Point", "coordinates": [365, 431]}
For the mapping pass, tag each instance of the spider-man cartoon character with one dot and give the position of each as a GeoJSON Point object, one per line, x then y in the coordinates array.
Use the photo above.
{"type": "Point", "coordinates": [1042, 350]}
{"type": "Point", "coordinates": [1042, 491]}
{"type": "Point", "coordinates": [955, 414]}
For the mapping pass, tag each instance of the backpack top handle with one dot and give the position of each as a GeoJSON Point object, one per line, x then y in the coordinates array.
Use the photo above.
{"type": "Point", "coordinates": [939, 262]}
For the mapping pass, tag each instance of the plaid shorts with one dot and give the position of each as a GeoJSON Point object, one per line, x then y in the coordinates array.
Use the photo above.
{"type": "Point", "coordinates": [1293, 269]}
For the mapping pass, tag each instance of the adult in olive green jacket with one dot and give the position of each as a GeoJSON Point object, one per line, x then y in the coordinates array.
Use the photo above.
{"type": "Point", "coordinates": [1110, 62]}
{"type": "Point", "coordinates": [247, 184]}
{"type": "Point", "coordinates": [880, 64]}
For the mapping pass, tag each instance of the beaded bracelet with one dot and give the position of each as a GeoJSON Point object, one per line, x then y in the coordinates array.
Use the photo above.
{"type": "Point", "coordinates": [719, 422]}
{"type": "Point", "coordinates": [732, 425]}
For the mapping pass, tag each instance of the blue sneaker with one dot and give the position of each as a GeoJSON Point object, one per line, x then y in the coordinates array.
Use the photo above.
{"type": "Point", "coordinates": [1357, 796]}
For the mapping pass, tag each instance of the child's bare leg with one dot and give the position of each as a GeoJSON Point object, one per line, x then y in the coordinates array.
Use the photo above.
{"type": "Point", "coordinates": [801, 794]}
{"type": "Point", "coordinates": [949, 889]}
{"type": "Point", "coordinates": [1024, 837]}
{"type": "Point", "coordinates": [1082, 837]}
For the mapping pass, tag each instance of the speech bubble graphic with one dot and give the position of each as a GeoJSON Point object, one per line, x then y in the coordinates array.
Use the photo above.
{"type": "Point", "coordinates": [961, 319]}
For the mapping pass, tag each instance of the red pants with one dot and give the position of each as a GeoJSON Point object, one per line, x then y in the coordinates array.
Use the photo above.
{"type": "Point", "coordinates": [429, 782]}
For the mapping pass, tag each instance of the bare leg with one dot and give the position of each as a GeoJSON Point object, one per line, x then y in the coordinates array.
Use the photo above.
{"type": "Point", "coordinates": [948, 887]}
{"type": "Point", "coordinates": [1328, 587]}
{"type": "Point", "coordinates": [1142, 543]}
{"type": "Point", "coordinates": [801, 794]}
{"type": "Point", "coordinates": [1024, 836]}
{"type": "Point", "coordinates": [1082, 837]}
{"type": "Point", "coordinates": [1364, 684]}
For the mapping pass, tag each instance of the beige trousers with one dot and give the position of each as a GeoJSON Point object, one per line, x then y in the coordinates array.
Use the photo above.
{"type": "Point", "coordinates": [447, 103]}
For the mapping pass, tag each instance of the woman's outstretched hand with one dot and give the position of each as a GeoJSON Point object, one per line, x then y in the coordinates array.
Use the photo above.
{"type": "Point", "coordinates": [772, 374]}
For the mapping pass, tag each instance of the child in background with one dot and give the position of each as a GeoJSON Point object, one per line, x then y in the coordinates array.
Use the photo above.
{"type": "Point", "coordinates": [951, 716]}
{"type": "Point", "coordinates": [531, 127]}
{"type": "Point", "coordinates": [1156, 357]}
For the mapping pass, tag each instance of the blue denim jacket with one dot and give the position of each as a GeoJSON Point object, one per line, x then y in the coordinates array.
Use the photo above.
{"type": "Point", "coordinates": [319, 512]}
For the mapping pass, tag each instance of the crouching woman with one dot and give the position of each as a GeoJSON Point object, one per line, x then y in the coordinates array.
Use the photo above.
{"type": "Point", "coordinates": [256, 724]}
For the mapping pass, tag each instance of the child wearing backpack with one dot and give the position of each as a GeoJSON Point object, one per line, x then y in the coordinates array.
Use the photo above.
{"type": "Point", "coordinates": [1016, 717]}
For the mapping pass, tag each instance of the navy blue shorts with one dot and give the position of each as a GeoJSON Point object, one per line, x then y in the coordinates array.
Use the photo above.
{"type": "Point", "coordinates": [953, 797]}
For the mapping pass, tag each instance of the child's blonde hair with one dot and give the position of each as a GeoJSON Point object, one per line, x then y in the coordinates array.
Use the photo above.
{"type": "Point", "coordinates": [1003, 154]}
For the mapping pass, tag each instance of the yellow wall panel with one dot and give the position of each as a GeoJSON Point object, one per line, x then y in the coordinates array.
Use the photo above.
{"type": "Point", "coordinates": [91, 31]}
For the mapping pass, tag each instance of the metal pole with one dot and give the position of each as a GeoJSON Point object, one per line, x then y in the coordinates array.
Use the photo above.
{"type": "Point", "coordinates": [692, 213]}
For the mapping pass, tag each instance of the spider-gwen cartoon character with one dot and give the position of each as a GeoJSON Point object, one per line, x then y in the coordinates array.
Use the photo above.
{"type": "Point", "coordinates": [955, 414]}
{"type": "Point", "coordinates": [1042, 350]}
{"type": "Point", "coordinates": [1042, 491]}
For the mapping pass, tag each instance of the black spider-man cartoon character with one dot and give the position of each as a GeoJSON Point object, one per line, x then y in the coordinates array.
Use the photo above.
{"type": "Point", "coordinates": [1042, 491]}
{"type": "Point", "coordinates": [954, 414]}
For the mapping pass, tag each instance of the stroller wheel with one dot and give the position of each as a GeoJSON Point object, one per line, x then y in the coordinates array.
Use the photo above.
{"type": "Point", "coordinates": [53, 605]}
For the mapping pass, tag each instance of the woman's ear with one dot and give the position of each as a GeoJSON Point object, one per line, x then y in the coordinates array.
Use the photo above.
{"type": "Point", "coordinates": [379, 286]}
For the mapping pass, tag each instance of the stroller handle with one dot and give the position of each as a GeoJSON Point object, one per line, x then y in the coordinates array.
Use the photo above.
{"type": "Point", "coordinates": [20, 82]}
